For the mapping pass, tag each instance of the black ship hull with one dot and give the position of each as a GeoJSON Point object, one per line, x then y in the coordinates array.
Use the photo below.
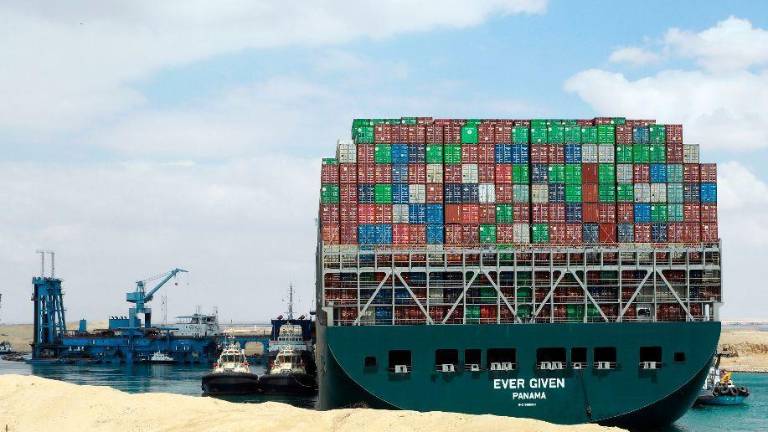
{"type": "Point", "coordinates": [230, 383]}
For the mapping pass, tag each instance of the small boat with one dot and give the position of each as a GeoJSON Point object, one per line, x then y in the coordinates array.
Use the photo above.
{"type": "Point", "coordinates": [6, 348]}
{"type": "Point", "coordinates": [231, 374]}
{"type": "Point", "coordinates": [161, 358]}
{"type": "Point", "coordinates": [719, 388]}
{"type": "Point", "coordinates": [287, 374]}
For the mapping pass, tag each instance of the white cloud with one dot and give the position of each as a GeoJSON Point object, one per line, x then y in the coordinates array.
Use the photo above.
{"type": "Point", "coordinates": [634, 55]}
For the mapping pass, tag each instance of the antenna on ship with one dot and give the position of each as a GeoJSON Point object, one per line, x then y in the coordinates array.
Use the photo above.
{"type": "Point", "coordinates": [290, 301]}
{"type": "Point", "coordinates": [42, 253]}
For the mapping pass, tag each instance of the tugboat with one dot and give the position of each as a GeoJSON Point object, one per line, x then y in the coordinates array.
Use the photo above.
{"type": "Point", "coordinates": [719, 388]}
{"type": "Point", "coordinates": [6, 348]}
{"type": "Point", "coordinates": [231, 374]}
{"type": "Point", "coordinates": [160, 357]}
{"type": "Point", "coordinates": [287, 374]}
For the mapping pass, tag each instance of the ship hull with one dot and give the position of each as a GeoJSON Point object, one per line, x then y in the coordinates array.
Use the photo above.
{"type": "Point", "coordinates": [296, 383]}
{"type": "Point", "coordinates": [625, 396]}
{"type": "Point", "coordinates": [230, 383]}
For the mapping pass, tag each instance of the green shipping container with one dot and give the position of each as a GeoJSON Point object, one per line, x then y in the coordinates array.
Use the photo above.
{"type": "Point", "coordinates": [641, 153]}
{"type": "Point", "coordinates": [588, 135]}
{"type": "Point", "coordinates": [409, 121]}
{"type": "Point", "coordinates": [606, 173]}
{"type": "Point", "coordinates": [606, 193]}
{"type": "Point", "coordinates": [382, 154]}
{"type": "Point", "coordinates": [573, 193]}
{"type": "Point", "coordinates": [356, 123]}
{"type": "Point", "coordinates": [540, 233]}
{"type": "Point", "coordinates": [657, 153]}
{"type": "Point", "coordinates": [330, 161]}
{"type": "Point", "coordinates": [674, 212]}
{"type": "Point", "coordinates": [624, 153]}
{"type": "Point", "coordinates": [488, 295]}
{"type": "Point", "coordinates": [435, 153]}
{"type": "Point", "coordinates": [524, 311]}
{"type": "Point", "coordinates": [520, 135]}
{"type": "Point", "coordinates": [572, 134]}
{"type": "Point", "coordinates": [555, 134]}
{"type": "Point", "coordinates": [521, 174]}
{"type": "Point", "coordinates": [504, 213]}
{"type": "Point", "coordinates": [658, 212]}
{"type": "Point", "coordinates": [675, 173]}
{"type": "Point", "coordinates": [363, 134]}
{"type": "Point", "coordinates": [606, 134]}
{"type": "Point", "coordinates": [382, 193]}
{"type": "Point", "coordinates": [539, 123]}
{"type": "Point", "coordinates": [538, 134]}
{"type": "Point", "coordinates": [573, 174]}
{"type": "Point", "coordinates": [625, 193]}
{"type": "Point", "coordinates": [487, 234]}
{"type": "Point", "coordinates": [524, 294]}
{"type": "Point", "coordinates": [674, 192]}
{"type": "Point", "coordinates": [556, 173]}
{"type": "Point", "coordinates": [469, 134]}
{"type": "Point", "coordinates": [657, 134]}
{"type": "Point", "coordinates": [329, 194]}
{"type": "Point", "coordinates": [452, 154]}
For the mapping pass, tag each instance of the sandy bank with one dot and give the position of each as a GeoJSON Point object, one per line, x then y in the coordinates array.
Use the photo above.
{"type": "Point", "coordinates": [36, 404]}
{"type": "Point", "coordinates": [751, 347]}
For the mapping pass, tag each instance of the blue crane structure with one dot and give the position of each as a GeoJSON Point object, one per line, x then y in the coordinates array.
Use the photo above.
{"type": "Point", "coordinates": [49, 323]}
{"type": "Point", "coordinates": [140, 298]}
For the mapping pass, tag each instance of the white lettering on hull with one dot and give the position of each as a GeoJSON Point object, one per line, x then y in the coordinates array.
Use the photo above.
{"type": "Point", "coordinates": [534, 385]}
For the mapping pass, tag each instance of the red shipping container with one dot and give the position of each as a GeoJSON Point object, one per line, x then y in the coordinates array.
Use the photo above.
{"type": "Point", "coordinates": [675, 153]}
{"type": "Point", "coordinates": [590, 212]}
{"type": "Point", "coordinates": [486, 153]}
{"type": "Point", "coordinates": [417, 173]}
{"type": "Point", "coordinates": [383, 173]}
{"type": "Point", "coordinates": [453, 234]}
{"type": "Point", "coordinates": [417, 234]}
{"type": "Point", "coordinates": [643, 233]}
{"type": "Point", "coordinates": [557, 212]}
{"type": "Point", "coordinates": [603, 120]}
{"type": "Point", "coordinates": [452, 173]}
{"type": "Point", "coordinates": [521, 213]}
{"type": "Point", "coordinates": [329, 213]}
{"type": "Point", "coordinates": [348, 173]}
{"type": "Point", "coordinates": [708, 172]}
{"type": "Point", "coordinates": [452, 213]}
{"type": "Point", "coordinates": [624, 134]}
{"type": "Point", "coordinates": [589, 173]}
{"type": "Point", "coordinates": [539, 213]}
{"type": "Point", "coordinates": [486, 132]}
{"type": "Point", "coordinates": [504, 233]}
{"type": "Point", "coordinates": [676, 232]}
{"type": "Point", "coordinates": [573, 233]}
{"type": "Point", "coordinates": [691, 173]}
{"type": "Point", "coordinates": [469, 154]}
{"type": "Point", "coordinates": [385, 133]}
{"type": "Point", "coordinates": [452, 133]}
{"type": "Point", "coordinates": [607, 233]}
{"type": "Point", "coordinates": [556, 154]}
{"type": "Point", "coordinates": [709, 213]}
{"type": "Point", "coordinates": [503, 192]}
{"type": "Point", "coordinates": [421, 134]}
{"type": "Point", "coordinates": [348, 212]}
{"type": "Point", "coordinates": [641, 173]}
{"type": "Point", "coordinates": [365, 154]}
{"type": "Point", "coordinates": [434, 134]}
{"type": "Point", "coordinates": [366, 173]}
{"type": "Point", "coordinates": [691, 232]}
{"type": "Point", "coordinates": [366, 213]}
{"type": "Point", "coordinates": [674, 133]}
{"type": "Point", "coordinates": [585, 122]}
{"type": "Point", "coordinates": [400, 234]}
{"type": "Point", "coordinates": [329, 173]}
{"type": "Point", "coordinates": [625, 212]}
{"type": "Point", "coordinates": [434, 193]}
{"type": "Point", "coordinates": [607, 213]}
{"type": "Point", "coordinates": [487, 213]}
{"type": "Point", "coordinates": [539, 154]}
{"type": "Point", "coordinates": [526, 123]}
{"type": "Point", "coordinates": [503, 133]}
{"type": "Point", "coordinates": [383, 213]}
{"type": "Point", "coordinates": [486, 173]}
{"type": "Point", "coordinates": [709, 232]}
{"type": "Point", "coordinates": [331, 234]}
{"type": "Point", "coordinates": [348, 233]}
{"type": "Point", "coordinates": [503, 175]}
{"type": "Point", "coordinates": [691, 213]}
{"type": "Point", "coordinates": [348, 193]}
{"type": "Point", "coordinates": [470, 235]}
{"type": "Point", "coordinates": [409, 134]}
{"type": "Point", "coordinates": [557, 233]}
{"type": "Point", "coordinates": [470, 213]}
{"type": "Point", "coordinates": [589, 193]}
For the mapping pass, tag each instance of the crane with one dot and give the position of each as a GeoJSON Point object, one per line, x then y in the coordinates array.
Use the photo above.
{"type": "Point", "coordinates": [140, 297]}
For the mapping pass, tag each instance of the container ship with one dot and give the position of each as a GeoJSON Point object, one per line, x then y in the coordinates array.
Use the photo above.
{"type": "Point", "coordinates": [564, 270]}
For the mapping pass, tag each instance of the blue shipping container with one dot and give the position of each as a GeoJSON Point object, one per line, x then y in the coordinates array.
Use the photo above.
{"type": "Point", "coordinates": [453, 193]}
{"type": "Point", "coordinates": [590, 233]}
{"type": "Point", "coordinates": [539, 173]}
{"type": "Point", "coordinates": [399, 153]}
{"type": "Point", "coordinates": [557, 192]}
{"type": "Point", "coordinates": [417, 153]}
{"type": "Point", "coordinates": [520, 153]}
{"type": "Point", "coordinates": [573, 213]}
{"type": "Point", "coordinates": [400, 173]}
{"type": "Point", "coordinates": [641, 135]}
{"type": "Point", "coordinates": [417, 213]}
{"type": "Point", "coordinates": [691, 193]}
{"type": "Point", "coordinates": [470, 193]}
{"type": "Point", "coordinates": [659, 233]}
{"type": "Point", "coordinates": [658, 173]}
{"type": "Point", "coordinates": [383, 234]}
{"type": "Point", "coordinates": [402, 296]}
{"type": "Point", "coordinates": [366, 234]}
{"type": "Point", "coordinates": [365, 194]}
{"type": "Point", "coordinates": [383, 312]}
{"type": "Point", "coordinates": [503, 153]}
{"type": "Point", "coordinates": [708, 193]}
{"type": "Point", "coordinates": [573, 153]}
{"type": "Point", "coordinates": [626, 233]}
{"type": "Point", "coordinates": [435, 214]}
{"type": "Point", "coordinates": [400, 193]}
{"type": "Point", "coordinates": [642, 213]}
{"type": "Point", "coordinates": [434, 234]}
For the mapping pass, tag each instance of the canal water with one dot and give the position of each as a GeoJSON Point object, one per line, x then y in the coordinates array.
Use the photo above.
{"type": "Point", "coordinates": [753, 416]}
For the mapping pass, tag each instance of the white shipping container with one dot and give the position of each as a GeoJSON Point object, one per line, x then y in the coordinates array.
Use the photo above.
{"type": "Point", "coordinates": [690, 153]}
{"type": "Point", "coordinates": [399, 213]}
{"type": "Point", "coordinates": [658, 192]}
{"type": "Point", "coordinates": [487, 193]}
{"type": "Point", "coordinates": [521, 233]}
{"type": "Point", "coordinates": [606, 153]}
{"type": "Point", "coordinates": [469, 173]}
{"type": "Point", "coordinates": [434, 173]}
{"type": "Point", "coordinates": [589, 153]}
{"type": "Point", "coordinates": [346, 151]}
{"type": "Point", "coordinates": [436, 295]}
{"type": "Point", "coordinates": [624, 173]}
{"type": "Point", "coordinates": [642, 192]}
{"type": "Point", "coordinates": [520, 193]}
{"type": "Point", "coordinates": [539, 194]}
{"type": "Point", "coordinates": [675, 193]}
{"type": "Point", "coordinates": [417, 193]}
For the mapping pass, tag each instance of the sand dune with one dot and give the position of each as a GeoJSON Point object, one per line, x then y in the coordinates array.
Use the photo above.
{"type": "Point", "coordinates": [750, 345]}
{"type": "Point", "coordinates": [32, 404]}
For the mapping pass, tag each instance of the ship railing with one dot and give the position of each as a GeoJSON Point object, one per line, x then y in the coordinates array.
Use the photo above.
{"type": "Point", "coordinates": [472, 367]}
{"type": "Point", "coordinates": [650, 365]}
{"type": "Point", "coordinates": [604, 365]}
{"type": "Point", "coordinates": [551, 365]}
{"type": "Point", "coordinates": [445, 368]}
{"type": "Point", "coordinates": [503, 366]}
{"type": "Point", "coordinates": [578, 365]}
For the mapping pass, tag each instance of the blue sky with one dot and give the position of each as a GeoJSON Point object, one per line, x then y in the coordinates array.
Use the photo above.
{"type": "Point", "coordinates": [137, 136]}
